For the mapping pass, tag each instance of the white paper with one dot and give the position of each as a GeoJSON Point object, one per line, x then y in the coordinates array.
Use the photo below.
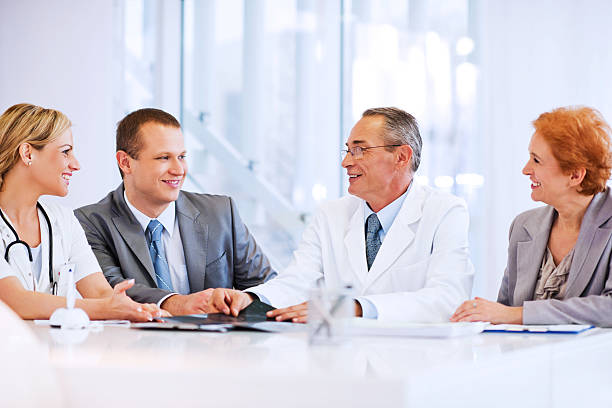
{"type": "Point", "coordinates": [92, 323]}
{"type": "Point", "coordinates": [370, 327]}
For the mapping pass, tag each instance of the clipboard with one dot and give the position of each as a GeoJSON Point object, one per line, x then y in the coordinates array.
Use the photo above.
{"type": "Point", "coordinates": [535, 329]}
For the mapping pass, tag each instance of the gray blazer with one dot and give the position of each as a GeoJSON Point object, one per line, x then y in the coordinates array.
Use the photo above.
{"type": "Point", "coordinates": [219, 250]}
{"type": "Point", "coordinates": [588, 296]}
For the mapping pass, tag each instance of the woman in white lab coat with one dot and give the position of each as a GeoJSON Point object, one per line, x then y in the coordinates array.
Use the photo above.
{"type": "Point", "coordinates": [40, 244]}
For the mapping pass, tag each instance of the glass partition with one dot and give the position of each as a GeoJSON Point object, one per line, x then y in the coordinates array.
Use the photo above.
{"type": "Point", "coordinates": [421, 56]}
{"type": "Point", "coordinates": [270, 89]}
{"type": "Point", "coordinates": [261, 97]}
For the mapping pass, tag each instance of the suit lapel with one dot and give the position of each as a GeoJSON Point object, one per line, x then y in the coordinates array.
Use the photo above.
{"type": "Point", "coordinates": [529, 255]}
{"type": "Point", "coordinates": [131, 232]}
{"type": "Point", "coordinates": [400, 235]}
{"type": "Point", "coordinates": [194, 236]}
{"type": "Point", "coordinates": [590, 244]}
{"type": "Point", "coordinates": [354, 242]}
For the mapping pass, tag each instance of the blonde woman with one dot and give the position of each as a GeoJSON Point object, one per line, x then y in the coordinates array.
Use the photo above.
{"type": "Point", "coordinates": [40, 243]}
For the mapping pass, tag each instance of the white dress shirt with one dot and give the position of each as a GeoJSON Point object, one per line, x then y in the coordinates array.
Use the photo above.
{"type": "Point", "coordinates": [37, 262]}
{"type": "Point", "coordinates": [173, 246]}
{"type": "Point", "coordinates": [386, 216]}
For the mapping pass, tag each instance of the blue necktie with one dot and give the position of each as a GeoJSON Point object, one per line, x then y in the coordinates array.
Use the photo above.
{"type": "Point", "coordinates": [372, 239]}
{"type": "Point", "coordinates": [158, 256]}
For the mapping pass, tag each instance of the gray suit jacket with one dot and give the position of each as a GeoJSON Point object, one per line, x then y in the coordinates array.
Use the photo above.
{"type": "Point", "coordinates": [219, 250]}
{"type": "Point", "coordinates": [588, 296]}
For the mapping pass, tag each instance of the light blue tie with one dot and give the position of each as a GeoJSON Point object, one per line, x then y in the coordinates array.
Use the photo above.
{"type": "Point", "coordinates": [158, 256]}
{"type": "Point", "coordinates": [372, 239]}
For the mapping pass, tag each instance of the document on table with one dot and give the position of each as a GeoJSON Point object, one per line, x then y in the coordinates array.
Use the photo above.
{"type": "Point", "coordinates": [92, 323]}
{"type": "Point", "coordinates": [221, 328]}
{"type": "Point", "coordinates": [370, 327]}
{"type": "Point", "coordinates": [555, 328]}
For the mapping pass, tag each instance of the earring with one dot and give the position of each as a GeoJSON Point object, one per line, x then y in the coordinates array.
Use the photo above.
{"type": "Point", "coordinates": [30, 163]}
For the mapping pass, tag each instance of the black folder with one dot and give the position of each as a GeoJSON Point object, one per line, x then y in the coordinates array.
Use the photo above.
{"type": "Point", "coordinates": [253, 317]}
{"type": "Point", "coordinates": [253, 313]}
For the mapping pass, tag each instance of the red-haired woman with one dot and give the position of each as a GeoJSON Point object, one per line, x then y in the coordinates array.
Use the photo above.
{"type": "Point", "coordinates": [559, 256]}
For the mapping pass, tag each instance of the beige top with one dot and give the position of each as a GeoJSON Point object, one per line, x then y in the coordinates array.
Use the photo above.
{"type": "Point", "coordinates": [552, 279]}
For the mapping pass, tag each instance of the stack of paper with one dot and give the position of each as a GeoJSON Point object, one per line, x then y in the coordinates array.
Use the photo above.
{"type": "Point", "coordinates": [369, 327]}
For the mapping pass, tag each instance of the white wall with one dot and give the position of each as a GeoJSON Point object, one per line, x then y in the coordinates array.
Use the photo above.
{"type": "Point", "coordinates": [58, 54]}
{"type": "Point", "coordinates": [535, 56]}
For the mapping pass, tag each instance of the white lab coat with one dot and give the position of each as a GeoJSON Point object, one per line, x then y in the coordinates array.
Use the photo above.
{"type": "Point", "coordinates": [70, 250]}
{"type": "Point", "coordinates": [421, 273]}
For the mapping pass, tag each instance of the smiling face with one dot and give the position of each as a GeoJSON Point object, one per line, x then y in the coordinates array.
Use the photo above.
{"type": "Point", "coordinates": [53, 165]}
{"type": "Point", "coordinates": [379, 177]}
{"type": "Point", "coordinates": [548, 182]}
{"type": "Point", "coordinates": [154, 179]}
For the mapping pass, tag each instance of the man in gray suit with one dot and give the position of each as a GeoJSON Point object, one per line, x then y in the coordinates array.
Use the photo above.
{"type": "Point", "coordinates": [175, 244]}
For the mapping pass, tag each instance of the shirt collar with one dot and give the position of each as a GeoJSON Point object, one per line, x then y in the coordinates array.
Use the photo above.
{"type": "Point", "coordinates": [387, 215]}
{"type": "Point", "coordinates": [166, 218]}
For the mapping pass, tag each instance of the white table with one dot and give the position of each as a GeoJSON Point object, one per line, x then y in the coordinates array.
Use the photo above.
{"type": "Point", "coordinates": [127, 367]}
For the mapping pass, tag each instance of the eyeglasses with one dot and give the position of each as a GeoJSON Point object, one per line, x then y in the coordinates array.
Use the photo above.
{"type": "Point", "coordinates": [357, 151]}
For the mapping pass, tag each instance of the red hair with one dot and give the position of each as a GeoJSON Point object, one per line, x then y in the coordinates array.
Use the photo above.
{"type": "Point", "coordinates": [579, 137]}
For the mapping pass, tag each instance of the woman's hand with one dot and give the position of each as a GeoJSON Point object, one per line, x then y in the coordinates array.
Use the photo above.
{"type": "Point", "coordinates": [120, 306]}
{"type": "Point", "coordinates": [483, 310]}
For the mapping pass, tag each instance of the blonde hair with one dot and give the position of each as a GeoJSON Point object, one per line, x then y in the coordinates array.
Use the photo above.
{"type": "Point", "coordinates": [26, 123]}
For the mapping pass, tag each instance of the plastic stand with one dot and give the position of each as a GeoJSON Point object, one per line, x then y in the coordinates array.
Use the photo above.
{"type": "Point", "coordinates": [70, 317]}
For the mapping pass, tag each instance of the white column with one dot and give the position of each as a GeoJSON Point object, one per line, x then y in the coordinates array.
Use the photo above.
{"type": "Point", "coordinates": [59, 55]}
{"type": "Point", "coordinates": [536, 56]}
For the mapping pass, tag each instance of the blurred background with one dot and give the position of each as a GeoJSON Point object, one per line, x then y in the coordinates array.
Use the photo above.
{"type": "Point", "coordinates": [268, 90]}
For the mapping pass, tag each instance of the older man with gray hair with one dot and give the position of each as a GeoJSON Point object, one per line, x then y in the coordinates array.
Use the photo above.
{"type": "Point", "coordinates": [403, 247]}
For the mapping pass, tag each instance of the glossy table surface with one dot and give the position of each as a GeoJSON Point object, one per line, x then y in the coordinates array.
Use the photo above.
{"type": "Point", "coordinates": [128, 367]}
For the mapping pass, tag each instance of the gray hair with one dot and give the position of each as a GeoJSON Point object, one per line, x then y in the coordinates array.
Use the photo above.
{"type": "Point", "coordinates": [401, 128]}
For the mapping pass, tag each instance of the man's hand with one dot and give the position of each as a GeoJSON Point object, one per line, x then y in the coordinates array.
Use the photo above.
{"type": "Point", "coordinates": [194, 303]}
{"type": "Point", "coordinates": [358, 309]}
{"type": "Point", "coordinates": [296, 313]}
{"type": "Point", "coordinates": [229, 301]}
{"type": "Point", "coordinates": [299, 313]}
{"type": "Point", "coordinates": [120, 306]}
{"type": "Point", "coordinates": [483, 310]}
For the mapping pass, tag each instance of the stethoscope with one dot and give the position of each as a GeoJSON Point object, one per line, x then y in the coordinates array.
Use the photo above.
{"type": "Point", "coordinates": [19, 241]}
